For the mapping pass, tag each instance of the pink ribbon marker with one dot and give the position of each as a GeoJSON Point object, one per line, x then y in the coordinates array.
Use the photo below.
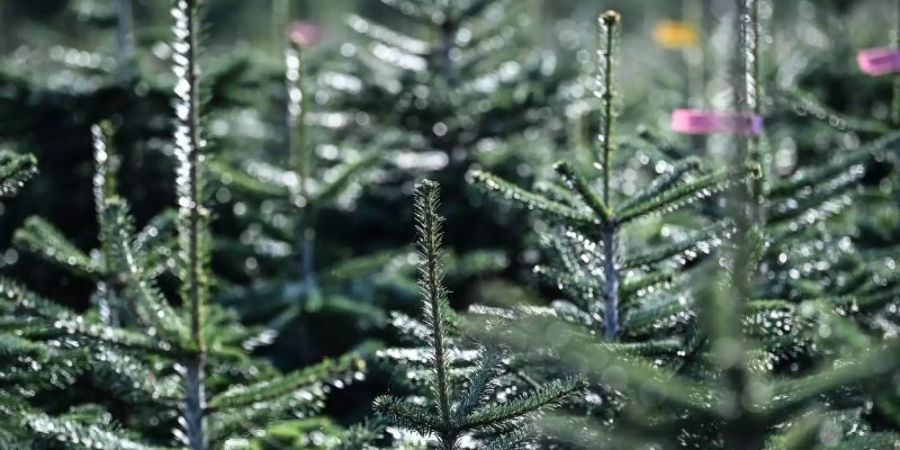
{"type": "Point", "coordinates": [305, 34]}
{"type": "Point", "coordinates": [879, 61]}
{"type": "Point", "coordinates": [693, 121]}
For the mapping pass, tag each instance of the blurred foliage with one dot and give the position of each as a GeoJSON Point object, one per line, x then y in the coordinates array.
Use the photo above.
{"type": "Point", "coordinates": [513, 110]}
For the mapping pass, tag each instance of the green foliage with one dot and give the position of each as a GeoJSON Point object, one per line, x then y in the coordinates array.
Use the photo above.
{"type": "Point", "coordinates": [176, 356]}
{"type": "Point", "coordinates": [591, 225]}
{"type": "Point", "coordinates": [734, 292]}
{"type": "Point", "coordinates": [15, 170]}
{"type": "Point", "coordinates": [459, 408]}
{"type": "Point", "coordinates": [445, 79]}
{"type": "Point", "coordinates": [680, 358]}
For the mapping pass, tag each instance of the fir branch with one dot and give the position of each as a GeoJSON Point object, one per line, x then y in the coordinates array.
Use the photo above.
{"type": "Point", "coordinates": [701, 242]}
{"type": "Point", "coordinates": [87, 332]}
{"type": "Point", "coordinates": [513, 440]}
{"type": "Point", "coordinates": [24, 303]}
{"type": "Point", "coordinates": [15, 170]}
{"type": "Point", "coordinates": [806, 104]}
{"type": "Point", "coordinates": [335, 185]}
{"type": "Point", "coordinates": [390, 261]}
{"type": "Point", "coordinates": [825, 202]}
{"type": "Point", "coordinates": [589, 433]}
{"type": "Point", "coordinates": [415, 10]}
{"type": "Point", "coordinates": [645, 349]}
{"type": "Point", "coordinates": [132, 379]}
{"type": "Point", "coordinates": [155, 233]}
{"type": "Point", "coordinates": [74, 435]}
{"type": "Point", "coordinates": [360, 436]}
{"type": "Point", "coordinates": [666, 148]}
{"type": "Point", "coordinates": [14, 346]}
{"type": "Point", "coordinates": [478, 383]}
{"type": "Point", "coordinates": [832, 169]}
{"type": "Point", "coordinates": [189, 148]}
{"type": "Point", "coordinates": [877, 300]}
{"type": "Point", "coordinates": [872, 441]}
{"type": "Point", "coordinates": [560, 193]}
{"type": "Point", "coordinates": [485, 44]}
{"type": "Point", "coordinates": [390, 39]}
{"type": "Point", "coordinates": [594, 360]}
{"type": "Point", "coordinates": [790, 395]}
{"type": "Point", "coordinates": [148, 303]}
{"type": "Point", "coordinates": [247, 182]}
{"type": "Point", "coordinates": [299, 149]}
{"type": "Point", "coordinates": [269, 390]}
{"type": "Point", "coordinates": [679, 171]}
{"type": "Point", "coordinates": [684, 194]}
{"type": "Point", "coordinates": [250, 419]}
{"type": "Point", "coordinates": [802, 434]}
{"type": "Point", "coordinates": [529, 199]}
{"type": "Point", "coordinates": [634, 289]}
{"type": "Point", "coordinates": [409, 415]}
{"type": "Point", "coordinates": [584, 190]}
{"type": "Point", "coordinates": [154, 245]}
{"type": "Point", "coordinates": [579, 289]}
{"type": "Point", "coordinates": [475, 10]}
{"type": "Point", "coordinates": [42, 238]}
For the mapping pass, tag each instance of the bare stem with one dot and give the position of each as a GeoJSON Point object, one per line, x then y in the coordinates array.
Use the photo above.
{"type": "Point", "coordinates": [124, 37]}
{"type": "Point", "coordinates": [301, 159]}
{"type": "Point", "coordinates": [195, 396]}
{"type": "Point", "coordinates": [610, 290]}
{"type": "Point", "coordinates": [448, 32]}
{"type": "Point", "coordinates": [608, 22]}
{"type": "Point", "coordinates": [741, 430]}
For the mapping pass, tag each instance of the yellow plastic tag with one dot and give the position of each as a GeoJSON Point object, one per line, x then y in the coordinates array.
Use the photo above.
{"type": "Point", "coordinates": [674, 35]}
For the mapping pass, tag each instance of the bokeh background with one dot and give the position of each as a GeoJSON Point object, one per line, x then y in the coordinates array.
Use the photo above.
{"type": "Point", "coordinates": [59, 73]}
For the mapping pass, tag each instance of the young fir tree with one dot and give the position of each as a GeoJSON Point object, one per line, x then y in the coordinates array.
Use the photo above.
{"type": "Point", "coordinates": [468, 403]}
{"type": "Point", "coordinates": [592, 223]}
{"type": "Point", "coordinates": [461, 85]}
{"type": "Point", "coordinates": [712, 349]}
{"type": "Point", "coordinates": [65, 77]}
{"type": "Point", "coordinates": [622, 288]}
{"type": "Point", "coordinates": [171, 359]}
{"type": "Point", "coordinates": [284, 202]}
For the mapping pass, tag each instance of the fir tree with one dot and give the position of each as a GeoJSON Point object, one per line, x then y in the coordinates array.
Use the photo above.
{"type": "Point", "coordinates": [459, 409]}
{"type": "Point", "coordinates": [462, 86]}
{"type": "Point", "coordinates": [578, 206]}
{"type": "Point", "coordinates": [286, 200]}
{"type": "Point", "coordinates": [190, 347]}
{"type": "Point", "coordinates": [592, 224]}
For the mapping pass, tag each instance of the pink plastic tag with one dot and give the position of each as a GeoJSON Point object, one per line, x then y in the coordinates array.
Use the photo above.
{"type": "Point", "coordinates": [879, 61]}
{"type": "Point", "coordinates": [305, 34]}
{"type": "Point", "coordinates": [693, 121]}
